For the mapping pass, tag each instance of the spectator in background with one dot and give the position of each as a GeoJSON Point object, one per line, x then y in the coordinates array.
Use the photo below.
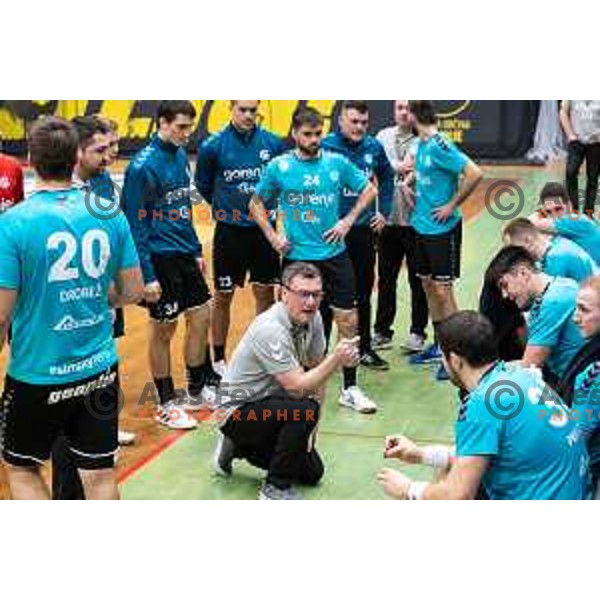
{"type": "Point", "coordinates": [397, 241]}
{"type": "Point", "coordinates": [580, 120]}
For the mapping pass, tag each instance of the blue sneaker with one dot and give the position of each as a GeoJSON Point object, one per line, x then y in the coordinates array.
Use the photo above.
{"type": "Point", "coordinates": [428, 356]}
{"type": "Point", "coordinates": [442, 374]}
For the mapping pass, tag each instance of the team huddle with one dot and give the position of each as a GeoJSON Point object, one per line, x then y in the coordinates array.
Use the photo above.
{"type": "Point", "coordinates": [312, 227]}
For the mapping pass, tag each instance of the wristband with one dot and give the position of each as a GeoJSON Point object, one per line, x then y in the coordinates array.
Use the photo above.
{"type": "Point", "coordinates": [437, 457]}
{"type": "Point", "coordinates": [416, 489]}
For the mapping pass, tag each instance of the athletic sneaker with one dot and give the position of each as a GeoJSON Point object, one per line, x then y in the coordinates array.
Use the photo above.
{"type": "Point", "coordinates": [126, 438]}
{"type": "Point", "coordinates": [372, 360]}
{"type": "Point", "coordinates": [442, 374]}
{"type": "Point", "coordinates": [354, 398]}
{"type": "Point", "coordinates": [270, 492]}
{"type": "Point", "coordinates": [223, 456]}
{"type": "Point", "coordinates": [381, 342]}
{"type": "Point", "coordinates": [414, 343]}
{"type": "Point", "coordinates": [220, 367]}
{"type": "Point", "coordinates": [431, 355]}
{"type": "Point", "coordinates": [173, 416]}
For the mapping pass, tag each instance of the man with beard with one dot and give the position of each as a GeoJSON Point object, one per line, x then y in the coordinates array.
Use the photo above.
{"type": "Point", "coordinates": [308, 183]}
{"type": "Point", "coordinates": [509, 440]}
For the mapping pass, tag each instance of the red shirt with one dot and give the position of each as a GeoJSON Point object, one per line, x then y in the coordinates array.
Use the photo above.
{"type": "Point", "coordinates": [11, 182]}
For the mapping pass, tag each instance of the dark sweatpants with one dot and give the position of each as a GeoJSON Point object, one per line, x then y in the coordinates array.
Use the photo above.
{"type": "Point", "coordinates": [275, 434]}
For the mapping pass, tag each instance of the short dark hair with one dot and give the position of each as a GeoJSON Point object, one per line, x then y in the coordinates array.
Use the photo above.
{"type": "Point", "coordinates": [508, 259]}
{"type": "Point", "coordinates": [423, 111]}
{"type": "Point", "coordinates": [110, 123]}
{"type": "Point", "coordinates": [519, 227]}
{"type": "Point", "coordinates": [169, 109]}
{"type": "Point", "coordinates": [53, 146]}
{"type": "Point", "coordinates": [88, 127]}
{"type": "Point", "coordinates": [306, 115]}
{"type": "Point", "coordinates": [299, 269]}
{"type": "Point", "coordinates": [554, 189]}
{"type": "Point", "coordinates": [360, 106]}
{"type": "Point", "coordinates": [470, 335]}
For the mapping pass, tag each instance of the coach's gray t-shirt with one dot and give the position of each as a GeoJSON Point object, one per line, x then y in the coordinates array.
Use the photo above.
{"type": "Point", "coordinates": [272, 345]}
{"type": "Point", "coordinates": [585, 119]}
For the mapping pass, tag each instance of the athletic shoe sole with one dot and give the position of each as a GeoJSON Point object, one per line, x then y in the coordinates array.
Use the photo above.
{"type": "Point", "coordinates": [364, 411]}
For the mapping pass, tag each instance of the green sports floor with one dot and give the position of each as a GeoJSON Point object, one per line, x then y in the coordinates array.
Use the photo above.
{"type": "Point", "coordinates": [410, 401]}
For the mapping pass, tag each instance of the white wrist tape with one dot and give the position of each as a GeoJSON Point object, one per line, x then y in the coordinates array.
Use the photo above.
{"type": "Point", "coordinates": [416, 489]}
{"type": "Point", "coordinates": [437, 457]}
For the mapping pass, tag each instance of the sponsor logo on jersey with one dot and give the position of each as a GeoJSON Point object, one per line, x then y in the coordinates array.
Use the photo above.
{"type": "Point", "coordinates": [70, 323]}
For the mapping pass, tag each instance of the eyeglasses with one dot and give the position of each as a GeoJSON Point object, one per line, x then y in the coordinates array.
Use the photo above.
{"type": "Point", "coordinates": [305, 294]}
{"type": "Point", "coordinates": [252, 111]}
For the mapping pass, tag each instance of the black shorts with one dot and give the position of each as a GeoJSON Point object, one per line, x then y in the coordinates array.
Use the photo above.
{"type": "Point", "coordinates": [438, 256]}
{"type": "Point", "coordinates": [241, 250]}
{"type": "Point", "coordinates": [338, 280]}
{"type": "Point", "coordinates": [86, 412]}
{"type": "Point", "coordinates": [183, 286]}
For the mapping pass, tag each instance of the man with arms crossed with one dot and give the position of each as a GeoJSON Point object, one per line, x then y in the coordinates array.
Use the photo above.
{"type": "Point", "coordinates": [308, 184]}
{"type": "Point", "coordinates": [62, 270]}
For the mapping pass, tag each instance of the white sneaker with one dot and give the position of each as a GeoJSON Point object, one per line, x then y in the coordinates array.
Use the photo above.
{"type": "Point", "coordinates": [173, 416]}
{"type": "Point", "coordinates": [414, 343]}
{"type": "Point", "coordinates": [220, 367]}
{"type": "Point", "coordinates": [126, 438]}
{"type": "Point", "coordinates": [355, 398]}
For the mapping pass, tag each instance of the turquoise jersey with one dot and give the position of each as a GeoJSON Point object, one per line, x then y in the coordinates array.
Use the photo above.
{"type": "Point", "coordinates": [565, 258]}
{"type": "Point", "coordinates": [309, 193]}
{"type": "Point", "coordinates": [438, 166]}
{"type": "Point", "coordinates": [535, 452]}
{"type": "Point", "coordinates": [61, 260]}
{"type": "Point", "coordinates": [586, 407]}
{"type": "Point", "coordinates": [583, 231]}
{"type": "Point", "coordinates": [551, 324]}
